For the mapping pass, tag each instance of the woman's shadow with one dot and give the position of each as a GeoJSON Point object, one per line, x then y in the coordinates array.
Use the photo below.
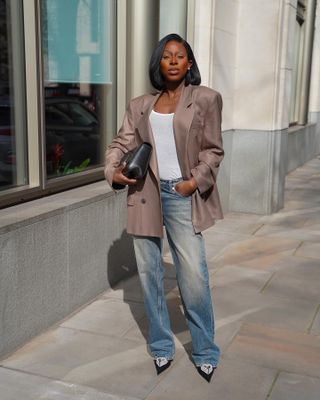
{"type": "Point", "coordinates": [122, 276]}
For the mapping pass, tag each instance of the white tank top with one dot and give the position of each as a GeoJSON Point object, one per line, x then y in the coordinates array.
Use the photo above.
{"type": "Point", "coordinates": [162, 129]}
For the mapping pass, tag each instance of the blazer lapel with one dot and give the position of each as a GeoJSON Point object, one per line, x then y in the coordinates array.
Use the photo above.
{"type": "Point", "coordinates": [181, 126]}
{"type": "Point", "coordinates": [145, 131]}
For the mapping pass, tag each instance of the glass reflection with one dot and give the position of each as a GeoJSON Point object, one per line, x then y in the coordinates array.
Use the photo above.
{"type": "Point", "coordinates": [72, 134]}
{"type": "Point", "coordinates": [79, 64]}
{"type": "Point", "coordinates": [13, 157]}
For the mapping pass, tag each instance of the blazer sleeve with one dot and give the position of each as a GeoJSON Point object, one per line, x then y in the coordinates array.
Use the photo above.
{"type": "Point", "coordinates": [121, 144]}
{"type": "Point", "coordinates": [211, 152]}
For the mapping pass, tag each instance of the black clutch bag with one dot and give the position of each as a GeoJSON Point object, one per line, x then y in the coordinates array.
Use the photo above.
{"type": "Point", "coordinates": [136, 161]}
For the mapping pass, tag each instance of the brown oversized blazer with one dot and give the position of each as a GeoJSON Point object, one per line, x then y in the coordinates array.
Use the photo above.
{"type": "Point", "coordinates": [197, 131]}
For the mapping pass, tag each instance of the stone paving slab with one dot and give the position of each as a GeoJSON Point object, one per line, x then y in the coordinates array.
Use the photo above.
{"type": "Point", "coordinates": [264, 262]}
{"type": "Point", "coordinates": [232, 380]}
{"type": "Point", "coordinates": [312, 220]}
{"type": "Point", "coordinates": [313, 226]}
{"type": "Point", "coordinates": [300, 281]}
{"type": "Point", "coordinates": [218, 242]}
{"type": "Point", "coordinates": [15, 385]}
{"type": "Point", "coordinates": [225, 332]}
{"type": "Point", "coordinates": [235, 225]}
{"type": "Point", "coordinates": [138, 332]}
{"type": "Point", "coordinates": [291, 218]}
{"type": "Point", "coordinates": [300, 205]}
{"type": "Point", "coordinates": [107, 316]}
{"type": "Point", "coordinates": [298, 265]}
{"type": "Point", "coordinates": [255, 307]}
{"type": "Point", "coordinates": [107, 364]}
{"type": "Point", "coordinates": [236, 216]}
{"type": "Point", "coordinates": [315, 328]}
{"type": "Point", "coordinates": [278, 232]}
{"type": "Point", "coordinates": [286, 220]}
{"type": "Point", "coordinates": [312, 194]}
{"type": "Point", "coordinates": [293, 182]}
{"type": "Point", "coordinates": [296, 387]}
{"type": "Point", "coordinates": [233, 276]}
{"type": "Point", "coordinates": [130, 289]}
{"type": "Point", "coordinates": [277, 348]}
{"type": "Point", "coordinates": [311, 250]}
{"type": "Point", "coordinates": [255, 247]}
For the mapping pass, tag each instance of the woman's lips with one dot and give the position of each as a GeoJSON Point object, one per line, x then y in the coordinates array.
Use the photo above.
{"type": "Point", "coordinates": [173, 71]}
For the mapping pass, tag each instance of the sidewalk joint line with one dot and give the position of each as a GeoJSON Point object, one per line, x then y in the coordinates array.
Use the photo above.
{"type": "Point", "coordinates": [256, 230]}
{"type": "Point", "coordinates": [105, 335]}
{"type": "Point", "coordinates": [23, 371]}
{"type": "Point", "coordinates": [297, 248]}
{"type": "Point", "coordinates": [268, 281]}
{"type": "Point", "coordinates": [313, 319]}
{"type": "Point", "coordinates": [224, 352]}
{"type": "Point", "coordinates": [273, 384]}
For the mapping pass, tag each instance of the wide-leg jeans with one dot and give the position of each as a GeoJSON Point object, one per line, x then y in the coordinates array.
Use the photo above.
{"type": "Point", "coordinates": [188, 253]}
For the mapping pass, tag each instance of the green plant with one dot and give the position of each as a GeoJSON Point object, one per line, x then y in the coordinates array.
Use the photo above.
{"type": "Point", "coordinates": [65, 170]}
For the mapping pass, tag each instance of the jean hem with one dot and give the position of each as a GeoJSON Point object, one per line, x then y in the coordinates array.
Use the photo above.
{"type": "Point", "coordinates": [214, 365]}
{"type": "Point", "coordinates": [167, 357]}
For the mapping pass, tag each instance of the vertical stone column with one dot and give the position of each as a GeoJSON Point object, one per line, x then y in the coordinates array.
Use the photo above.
{"type": "Point", "coordinates": [142, 35]}
{"type": "Point", "coordinates": [243, 49]}
{"type": "Point", "coordinates": [261, 104]}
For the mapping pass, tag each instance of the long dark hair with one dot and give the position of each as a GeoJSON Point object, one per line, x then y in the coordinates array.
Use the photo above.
{"type": "Point", "coordinates": [192, 77]}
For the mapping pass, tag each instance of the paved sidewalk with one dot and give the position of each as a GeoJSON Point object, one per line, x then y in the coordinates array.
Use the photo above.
{"type": "Point", "coordinates": [265, 278]}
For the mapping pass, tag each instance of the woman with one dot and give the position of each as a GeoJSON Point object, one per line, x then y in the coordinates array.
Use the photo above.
{"type": "Point", "coordinates": [182, 121]}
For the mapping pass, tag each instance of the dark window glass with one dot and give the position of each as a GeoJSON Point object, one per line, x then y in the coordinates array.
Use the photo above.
{"type": "Point", "coordinates": [78, 46]}
{"type": "Point", "coordinates": [13, 153]}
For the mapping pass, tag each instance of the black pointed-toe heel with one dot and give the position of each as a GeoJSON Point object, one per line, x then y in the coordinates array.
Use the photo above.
{"type": "Point", "coordinates": [206, 371]}
{"type": "Point", "coordinates": [161, 364]}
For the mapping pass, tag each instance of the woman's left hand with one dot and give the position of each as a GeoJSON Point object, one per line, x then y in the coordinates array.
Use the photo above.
{"type": "Point", "coordinates": [186, 188]}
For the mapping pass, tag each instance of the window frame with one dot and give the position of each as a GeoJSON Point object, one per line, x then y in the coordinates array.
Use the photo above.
{"type": "Point", "coordinates": [39, 185]}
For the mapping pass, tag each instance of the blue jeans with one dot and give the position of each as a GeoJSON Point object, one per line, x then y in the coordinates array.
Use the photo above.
{"type": "Point", "coordinates": [188, 253]}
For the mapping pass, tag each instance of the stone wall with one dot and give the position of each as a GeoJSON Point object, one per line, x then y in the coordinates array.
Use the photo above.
{"type": "Point", "coordinates": [57, 254]}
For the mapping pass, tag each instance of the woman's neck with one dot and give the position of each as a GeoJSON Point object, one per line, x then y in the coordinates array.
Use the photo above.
{"type": "Point", "coordinates": [173, 89]}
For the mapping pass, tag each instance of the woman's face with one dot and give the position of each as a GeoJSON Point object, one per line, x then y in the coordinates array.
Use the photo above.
{"type": "Point", "coordinates": [174, 63]}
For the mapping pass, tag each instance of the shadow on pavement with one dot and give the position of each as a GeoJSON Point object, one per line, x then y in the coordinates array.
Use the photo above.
{"type": "Point", "coordinates": [122, 276]}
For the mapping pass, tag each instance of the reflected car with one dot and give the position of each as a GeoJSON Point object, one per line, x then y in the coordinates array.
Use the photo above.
{"type": "Point", "coordinates": [72, 137]}
{"type": "Point", "coordinates": [72, 134]}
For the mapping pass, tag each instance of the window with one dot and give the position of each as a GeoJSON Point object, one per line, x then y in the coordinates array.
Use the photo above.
{"type": "Point", "coordinates": [79, 68]}
{"type": "Point", "coordinates": [13, 144]}
{"type": "Point", "coordinates": [297, 64]}
{"type": "Point", "coordinates": [302, 61]}
{"type": "Point", "coordinates": [55, 125]}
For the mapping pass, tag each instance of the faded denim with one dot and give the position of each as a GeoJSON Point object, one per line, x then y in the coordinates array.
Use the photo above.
{"type": "Point", "coordinates": [188, 252]}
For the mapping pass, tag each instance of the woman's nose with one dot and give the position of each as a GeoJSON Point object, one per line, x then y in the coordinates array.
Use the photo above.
{"type": "Point", "coordinates": [173, 60]}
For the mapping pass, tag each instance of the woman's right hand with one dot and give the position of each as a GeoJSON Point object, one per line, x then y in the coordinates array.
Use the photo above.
{"type": "Point", "coordinates": [121, 179]}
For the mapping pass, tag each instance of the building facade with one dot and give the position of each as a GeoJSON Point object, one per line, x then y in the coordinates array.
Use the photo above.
{"type": "Point", "coordinates": [67, 72]}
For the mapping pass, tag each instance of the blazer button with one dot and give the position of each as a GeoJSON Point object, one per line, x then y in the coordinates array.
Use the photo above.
{"type": "Point", "coordinates": [143, 201]}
